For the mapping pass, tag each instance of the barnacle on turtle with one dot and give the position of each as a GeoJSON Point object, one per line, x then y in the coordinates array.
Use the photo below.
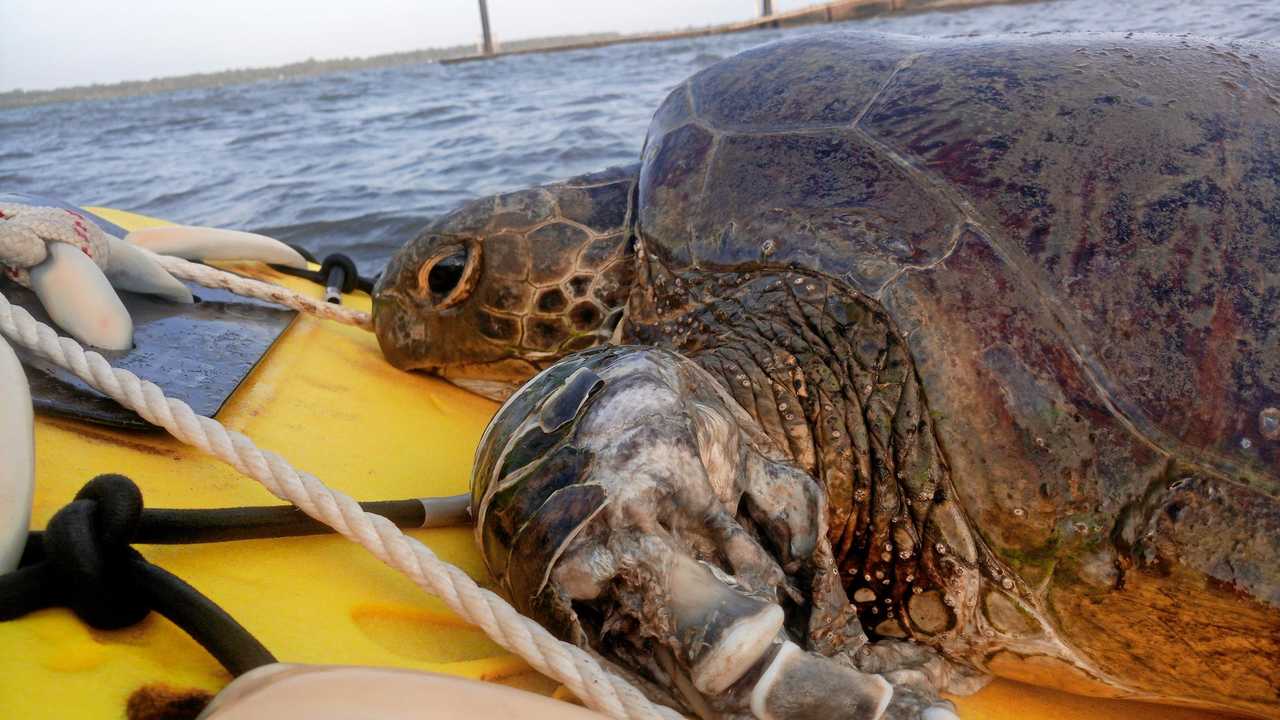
{"type": "Point", "coordinates": [961, 353]}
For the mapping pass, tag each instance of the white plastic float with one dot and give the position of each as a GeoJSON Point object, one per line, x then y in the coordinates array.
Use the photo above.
{"type": "Point", "coordinates": [17, 458]}
{"type": "Point", "coordinates": [80, 299]}
{"type": "Point", "coordinates": [202, 243]}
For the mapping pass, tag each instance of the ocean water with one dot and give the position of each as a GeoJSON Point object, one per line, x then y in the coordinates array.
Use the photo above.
{"type": "Point", "coordinates": [359, 161]}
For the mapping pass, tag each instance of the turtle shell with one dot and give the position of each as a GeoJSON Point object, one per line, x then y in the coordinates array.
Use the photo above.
{"type": "Point", "coordinates": [1077, 237]}
{"type": "Point", "coordinates": [1087, 219]}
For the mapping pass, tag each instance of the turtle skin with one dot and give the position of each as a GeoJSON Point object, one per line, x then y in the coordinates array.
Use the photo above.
{"type": "Point", "coordinates": [1015, 301]}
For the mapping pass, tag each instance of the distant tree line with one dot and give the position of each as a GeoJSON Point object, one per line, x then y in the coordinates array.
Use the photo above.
{"type": "Point", "coordinates": [307, 68]}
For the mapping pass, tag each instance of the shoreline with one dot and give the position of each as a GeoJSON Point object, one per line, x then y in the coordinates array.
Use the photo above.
{"type": "Point", "coordinates": [830, 12]}
{"type": "Point", "coordinates": [15, 99]}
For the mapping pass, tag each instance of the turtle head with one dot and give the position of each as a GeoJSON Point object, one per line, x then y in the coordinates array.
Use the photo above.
{"type": "Point", "coordinates": [502, 287]}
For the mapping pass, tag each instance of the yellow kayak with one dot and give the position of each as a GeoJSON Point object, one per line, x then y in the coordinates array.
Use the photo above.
{"type": "Point", "coordinates": [325, 400]}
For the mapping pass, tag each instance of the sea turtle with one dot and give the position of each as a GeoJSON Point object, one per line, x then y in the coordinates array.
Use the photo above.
{"type": "Point", "coordinates": [962, 349]}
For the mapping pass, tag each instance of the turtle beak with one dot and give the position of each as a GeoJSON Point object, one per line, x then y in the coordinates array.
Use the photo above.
{"type": "Point", "coordinates": [411, 339]}
{"type": "Point", "coordinates": [397, 330]}
{"type": "Point", "coordinates": [495, 390]}
{"type": "Point", "coordinates": [397, 321]}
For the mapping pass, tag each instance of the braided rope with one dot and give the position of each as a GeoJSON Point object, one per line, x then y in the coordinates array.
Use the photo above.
{"type": "Point", "coordinates": [248, 287]}
{"type": "Point", "coordinates": [27, 229]}
{"type": "Point", "coordinates": [567, 663]}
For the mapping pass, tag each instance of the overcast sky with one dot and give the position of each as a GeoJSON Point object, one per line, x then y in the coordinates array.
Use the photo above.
{"type": "Point", "coordinates": [56, 43]}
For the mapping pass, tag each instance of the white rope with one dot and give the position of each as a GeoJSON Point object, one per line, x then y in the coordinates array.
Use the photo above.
{"type": "Point", "coordinates": [27, 229]}
{"type": "Point", "coordinates": [565, 662]}
{"type": "Point", "coordinates": [215, 278]}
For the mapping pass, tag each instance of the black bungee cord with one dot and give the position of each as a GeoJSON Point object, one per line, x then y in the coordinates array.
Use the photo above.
{"type": "Point", "coordinates": [338, 274]}
{"type": "Point", "coordinates": [83, 560]}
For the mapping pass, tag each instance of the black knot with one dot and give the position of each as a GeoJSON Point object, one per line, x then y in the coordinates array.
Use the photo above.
{"type": "Point", "coordinates": [86, 547]}
{"type": "Point", "coordinates": [83, 561]}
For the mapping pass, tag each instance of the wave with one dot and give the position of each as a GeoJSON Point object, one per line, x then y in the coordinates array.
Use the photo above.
{"type": "Point", "coordinates": [596, 99]}
{"type": "Point", "coordinates": [382, 233]}
{"type": "Point", "coordinates": [256, 137]}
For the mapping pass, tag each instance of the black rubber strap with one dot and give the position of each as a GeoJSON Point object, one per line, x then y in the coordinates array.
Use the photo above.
{"type": "Point", "coordinates": [167, 527]}
{"type": "Point", "coordinates": [353, 281]}
{"type": "Point", "coordinates": [84, 562]}
{"type": "Point", "coordinates": [26, 590]}
{"type": "Point", "coordinates": [349, 273]}
{"type": "Point", "coordinates": [211, 626]}
{"type": "Point", "coordinates": [158, 526]}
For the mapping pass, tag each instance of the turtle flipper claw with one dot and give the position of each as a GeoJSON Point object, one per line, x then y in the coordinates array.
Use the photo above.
{"type": "Point", "coordinates": [912, 705]}
{"type": "Point", "coordinates": [942, 711]}
{"type": "Point", "coordinates": [799, 686]}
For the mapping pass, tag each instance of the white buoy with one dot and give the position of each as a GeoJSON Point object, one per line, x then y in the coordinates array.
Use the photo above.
{"type": "Point", "coordinates": [80, 299]}
{"type": "Point", "coordinates": [17, 458]}
{"type": "Point", "coordinates": [202, 243]}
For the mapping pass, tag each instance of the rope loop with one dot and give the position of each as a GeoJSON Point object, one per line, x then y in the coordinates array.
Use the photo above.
{"type": "Point", "coordinates": [25, 231]}
{"type": "Point", "coordinates": [351, 274]}
{"type": "Point", "coordinates": [321, 276]}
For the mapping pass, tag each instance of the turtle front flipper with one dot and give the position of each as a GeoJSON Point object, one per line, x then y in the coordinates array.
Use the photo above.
{"type": "Point", "coordinates": [625, 500]}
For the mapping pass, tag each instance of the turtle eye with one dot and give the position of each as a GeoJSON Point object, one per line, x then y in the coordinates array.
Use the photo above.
{"type": "Point", "coordinates": [448, 278]}
{"type": "Point", "coordinates": [445, 273]}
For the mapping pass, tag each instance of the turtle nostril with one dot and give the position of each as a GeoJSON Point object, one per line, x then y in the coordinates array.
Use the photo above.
{"type": "Point", "coordinates": [445, 274]}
